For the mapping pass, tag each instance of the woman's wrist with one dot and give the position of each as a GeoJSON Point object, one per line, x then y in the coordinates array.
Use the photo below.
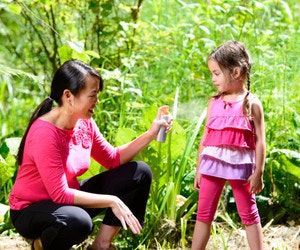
{"type": "Point", "coordinates": [113, 201]}
{"type": "Point", "coordinates": [150, 135]}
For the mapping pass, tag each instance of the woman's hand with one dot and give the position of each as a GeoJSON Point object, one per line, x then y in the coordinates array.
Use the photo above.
{"type": "Point", "coordinates": [123, 213]}
{"type": "Point", "coordinates": [160, 122]}
{"type": "Point", "coordinates": [118, 207]}
{"type": "Point", "coordinates": [129, 150]}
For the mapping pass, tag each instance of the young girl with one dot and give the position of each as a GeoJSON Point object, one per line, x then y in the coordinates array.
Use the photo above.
{"type": "Point", "coordinates": [232, 147]}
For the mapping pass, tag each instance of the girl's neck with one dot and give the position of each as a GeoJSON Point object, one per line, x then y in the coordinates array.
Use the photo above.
{"type": "Point", "coordinates": [235, 95]}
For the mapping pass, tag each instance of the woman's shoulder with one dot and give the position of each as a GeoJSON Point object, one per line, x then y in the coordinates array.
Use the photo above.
{"type": "Point", "coordinates": [41, 127]}
{"type": "Point", "coordinates": [42, 124]}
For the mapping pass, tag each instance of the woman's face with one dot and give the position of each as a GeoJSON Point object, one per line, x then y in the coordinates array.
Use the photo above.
{"type": "Point", "coordinates": [87, 99]}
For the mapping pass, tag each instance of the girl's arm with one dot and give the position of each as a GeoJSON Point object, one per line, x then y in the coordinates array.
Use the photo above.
{"type": "Point", "coordinates": [256, 180]}
{"type": "Point", "coordinates": [130, 150]}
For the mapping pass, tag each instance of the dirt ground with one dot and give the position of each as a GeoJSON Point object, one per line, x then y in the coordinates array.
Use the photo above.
{"type": "Point", "coordinates": [275, 238]}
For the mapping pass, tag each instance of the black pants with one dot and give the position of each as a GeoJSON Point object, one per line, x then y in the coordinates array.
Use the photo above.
{"type": "Point", "coordinates": [62, 226]}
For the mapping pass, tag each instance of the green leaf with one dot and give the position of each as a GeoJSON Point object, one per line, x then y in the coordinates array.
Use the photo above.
{"type": "Point", "coordinates": [287, 9]}
{"type": "Point", "coordinates": [77, 46]}
{"type": "Point", "coordinates": [5, 70]}
{"type": "Point", "coordinates": [289, 160]}
{"type": "Point", "coordinates": [7, 169]}
{"type": "Point", "coordinates": [124, 135]}
{"type": "Point", "coordinates": [65, 53]}
{"type": "Point", "coordinates": [92, 53]}
{"type": "Point", "coordinates": [13, 144]}
{"type": "Point", "coordinates": [15, 8]}
{"type": "Point", "coordinates": [2, 161]}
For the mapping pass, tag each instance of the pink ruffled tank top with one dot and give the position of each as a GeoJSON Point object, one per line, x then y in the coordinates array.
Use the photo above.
{"type": "Point", "coordinates": [229, 147]}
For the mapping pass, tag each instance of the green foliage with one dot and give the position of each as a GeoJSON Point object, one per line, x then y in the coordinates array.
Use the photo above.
{"type": "Point", "coordinates": [288, 160]}
{"type": "Point", "coordinates": [151, 56]}
{"type": "Point", "coordinates": [8, 151]}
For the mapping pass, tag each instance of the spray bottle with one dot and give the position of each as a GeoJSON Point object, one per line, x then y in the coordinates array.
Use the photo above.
{"type": "Point", "coordinates": [161, 136]}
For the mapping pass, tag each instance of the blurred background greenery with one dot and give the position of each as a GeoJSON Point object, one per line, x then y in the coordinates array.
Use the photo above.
{"type": "Point", "coordinates": [153, 53]}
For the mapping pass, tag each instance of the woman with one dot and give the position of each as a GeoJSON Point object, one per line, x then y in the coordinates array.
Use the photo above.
{"type": "Point", "coordinates": [47, 202]}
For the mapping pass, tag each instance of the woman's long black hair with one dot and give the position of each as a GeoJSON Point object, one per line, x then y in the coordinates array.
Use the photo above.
{"type": "Point", "coordinates": [71, 75]}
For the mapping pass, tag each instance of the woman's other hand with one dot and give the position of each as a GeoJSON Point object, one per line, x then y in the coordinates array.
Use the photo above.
{"type": "Point", "coordinates": [123, 213]}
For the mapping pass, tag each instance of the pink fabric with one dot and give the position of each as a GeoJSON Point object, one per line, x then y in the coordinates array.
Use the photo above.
{"type": "Point", "coordinates": [235, 120]}
{"type": "Point", "coordinates": [227, 127]}
{"type": "Point", "coordinates": [230, 154]}
{"type": "Point", "coordinates": [230, 137]}
{"type": "Point", "coordinates": [215, 167]}
{"type": "Point", "coordinates": [209, 195]}
{"type": "Point", "coordinates": [54, 158]}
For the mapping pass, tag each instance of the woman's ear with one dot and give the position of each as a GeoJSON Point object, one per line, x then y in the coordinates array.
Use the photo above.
{"type": "Point", "coordinates": [67, 95]}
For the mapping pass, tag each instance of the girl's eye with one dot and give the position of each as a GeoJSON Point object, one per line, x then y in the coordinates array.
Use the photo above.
{"type": "Point", "coordinates": [215, 73]}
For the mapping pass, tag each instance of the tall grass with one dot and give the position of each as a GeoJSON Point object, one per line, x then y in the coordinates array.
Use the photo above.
{"type": "Point", "coordinates": [161, 59]}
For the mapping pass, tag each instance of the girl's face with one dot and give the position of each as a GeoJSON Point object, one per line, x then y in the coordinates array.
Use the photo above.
{"type": "Point", "coordinates": [221, 79]}
{"type": "Point", "coordinates": [85, 102]}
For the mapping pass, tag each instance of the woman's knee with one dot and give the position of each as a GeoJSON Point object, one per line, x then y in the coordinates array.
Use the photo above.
{"type": "Point", "coordinates": [78, 222]}
{"type": "Point", "coordinates": [71, 226]}
{"type": "Point", "coordinates": [144, 171]}
{"type": "Point", "coordinates": [81, 222]}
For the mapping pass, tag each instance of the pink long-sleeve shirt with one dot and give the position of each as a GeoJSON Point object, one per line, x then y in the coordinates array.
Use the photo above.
{"type": "Point", "coordinates": [53, 159]}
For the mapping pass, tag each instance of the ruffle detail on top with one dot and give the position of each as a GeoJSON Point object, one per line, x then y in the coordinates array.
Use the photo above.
{"type": "Point", "coordinates": [230, 155]}
{"type": "Point", "coordinates": [213, 167]}
{"type": "Point", "coordinates": [230, 137]}
{"type": "Point", "coordinates": [236, 122]}
{"type": "Point", "coordinates": [229, 143]}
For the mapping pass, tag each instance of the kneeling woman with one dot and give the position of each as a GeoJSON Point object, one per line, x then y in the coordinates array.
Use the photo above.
{"type": "Point", "coordinates": [47, 202]}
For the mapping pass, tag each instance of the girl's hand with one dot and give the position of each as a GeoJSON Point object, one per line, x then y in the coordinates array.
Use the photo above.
{"type": "Point", "coordinates": [123, 213]}
{"type": "Point", "coordinates": [197, 181]}
{"type": "Point", "coordinates": [256, 183]}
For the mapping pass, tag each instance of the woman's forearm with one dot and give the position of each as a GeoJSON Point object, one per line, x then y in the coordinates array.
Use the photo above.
{"type": "Point", "coordinates": [90, 200]}
{"type": "Point", "coordinates": [130, 150]}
